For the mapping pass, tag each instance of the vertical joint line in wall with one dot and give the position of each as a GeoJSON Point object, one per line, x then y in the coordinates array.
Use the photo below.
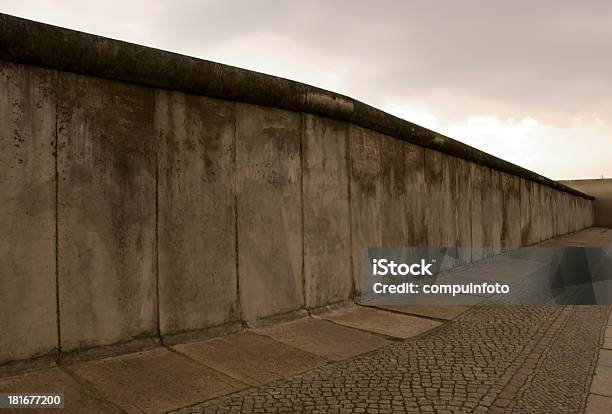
{"type": "Point", "coordinates": [349, 175]}
{"type": "Point", "coordinates": [157, 146]}
{"type": "Point", "coordinates": [380, 190]}
{"type": "Point", "coordinates": [427, 204]}
{"type": "Point", "coordinates": [301, 114]}
{"type": "Point", "coordinates": [470, 193]}
{"type": "Point", "coordinates": [236, 173]}
{"type": "Point", "coordinates": [404, 171]}
{"type": "Point", "coordinates": [520, 209]}
{"type": "Point", "coordinates": [57, 149]}
{"type": "Point", "coordinates": [500, 194]}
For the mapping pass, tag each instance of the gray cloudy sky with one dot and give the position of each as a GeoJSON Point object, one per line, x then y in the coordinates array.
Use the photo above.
{"type": "Point", "coordinates": [529, 81]}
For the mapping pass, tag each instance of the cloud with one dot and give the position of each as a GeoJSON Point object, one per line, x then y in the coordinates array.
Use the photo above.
{"type": "Point", "coordinates": [487, 72]}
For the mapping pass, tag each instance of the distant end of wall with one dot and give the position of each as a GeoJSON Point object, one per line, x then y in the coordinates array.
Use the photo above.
{"type": "Point", "coordinates": [601, 189]}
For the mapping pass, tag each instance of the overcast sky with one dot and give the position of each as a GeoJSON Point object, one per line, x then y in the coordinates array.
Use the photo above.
{"type": "Point", "coordinates": [528, 81]}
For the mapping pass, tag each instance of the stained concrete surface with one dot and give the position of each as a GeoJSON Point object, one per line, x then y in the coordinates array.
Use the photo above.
{"type": "Point", "coordinates": [381, 322]}
{"type": "Point", "coordinates": [154, 381]}
{"type": "Point", "coordinates": [48, 46]}
{"type": "Point", "coordinates": [434, 176]}
{"type": "Point", "coordinates": [464, 221]}
{"type": "Point", "coordinates": [598, 404]}
{"type": "Point", "coordinates": [366, 196]}
{"type": "Point", "coordinates": [496, 213]}
{"type": "Point", "coordinates": [416, 201]}
{"type": "Point", "coordinates": [327, 226]}
{"type": "Point", "coordinates": [78, 398]}
{"type": "Point", "coordinates": [269, 211]}
{"type": "Point", "coordinates": [476, 212]}
{"type": "Point", "coordinates": [324, 338]}
{"type": "Point", "coordinates": [106, 212]}
{"type": "Point", "coordinates": [526, 219]}
{"type": "Point", "coordinates": [251, 358]}
{"type": "Point", "coordinates": [116, 108]}
{"type": "Point", "coordinates": [511, 212]}
{"type": "Point", "coordinates": [605, 357]}
{"type": "Point", "coordinates": [27, 212]}
{"type": "Point", "coordinates": [602, 381]}
{"type": "Point", "coordinates": [197, 219]}
{"type": "Point", "coordinates": [133, 157]}
{"type": "Point", "coordinates": [450, 203]}
{"type": "Point", "coordinates": [393, 195]}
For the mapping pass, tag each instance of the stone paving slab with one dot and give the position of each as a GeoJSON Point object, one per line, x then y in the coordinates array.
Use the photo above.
{"type": "Point", "coordinates": [77, 399]}
{"type": "Point", "coordinates": [252, 358]}
{"type": "Point", "coordinates": [324, 338]}
{"type": "Point", "coordinates": [446, 312]}
{"type": "Point", "coordinates": [381, 322]}
{"type": "Point", "coordinates": [605, 358]}
{"type": "Point", "coordinates": [597, 404]}
{"type": "Point", "coordinates": [519, 264]}
{"type": "Point", "coordinates": [594, 236]}
{"type": "Point", "coordinates": [429, 300]}
{"type": "Point", "coordinates": [153, 381]}
{"type": "Point", "coordinates": [602, 381]}
{"type": "Point", "coordinates": [502, 270]}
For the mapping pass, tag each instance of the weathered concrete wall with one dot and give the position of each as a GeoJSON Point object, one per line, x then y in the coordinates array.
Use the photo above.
{"type": "Point", "coordinates": [328, 277]}
{"type": "Point", "coordinates": [601, 189]}
{"type": "Point", "coordinates": [27, 213]}
{"type": "Point", "coordinates": [464, 204]}
{"type": "Point", "coordinates": [394, 191]}
{"type": "Point", "coordinates": [511, 212]}
{"type": "Point", "coordinates": [106, 212]}
{"type": "Point", "coordinates": [488, 214]}
{"type": "Point", "coordinates": [450, 210]}
{"type": "Point", "coordinates": [416, 201]}
{"type": "Point", "coordinates": [476, 212]}
{"type": "Point", "coordinates": [269, 197]}
{"type": "Point", "coordinates": [366, 196]}
{"type": "Point", "coordinates": [434, 211]}
{"type": "Point", "coordinates": [198, 285]}
{"type": "Point", "coordinates": [175, 211]}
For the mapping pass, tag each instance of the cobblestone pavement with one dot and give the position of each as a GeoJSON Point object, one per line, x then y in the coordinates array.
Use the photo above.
{"type": "Point", "coordinates": [519, 359]}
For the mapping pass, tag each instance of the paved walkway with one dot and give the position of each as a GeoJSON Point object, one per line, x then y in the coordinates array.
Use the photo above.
{"type": "Point", "coordinates": [445, 359]}
{"type": "Point", "coordinates": [600, 397]}
{"type": "Point", "coordinates": [521, 359]}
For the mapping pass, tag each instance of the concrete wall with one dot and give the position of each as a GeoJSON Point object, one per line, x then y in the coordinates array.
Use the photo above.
{"type": "Point", "coordinates": [601, 189]}
{"type": "Point", "coordinates": [198, 279]}
{"type": "Point", "coordinates": [106, 211]}
{"type": "Point", "coordinates": [131, 211]}
{"type": "Point", "coordinates": [28, 301]}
